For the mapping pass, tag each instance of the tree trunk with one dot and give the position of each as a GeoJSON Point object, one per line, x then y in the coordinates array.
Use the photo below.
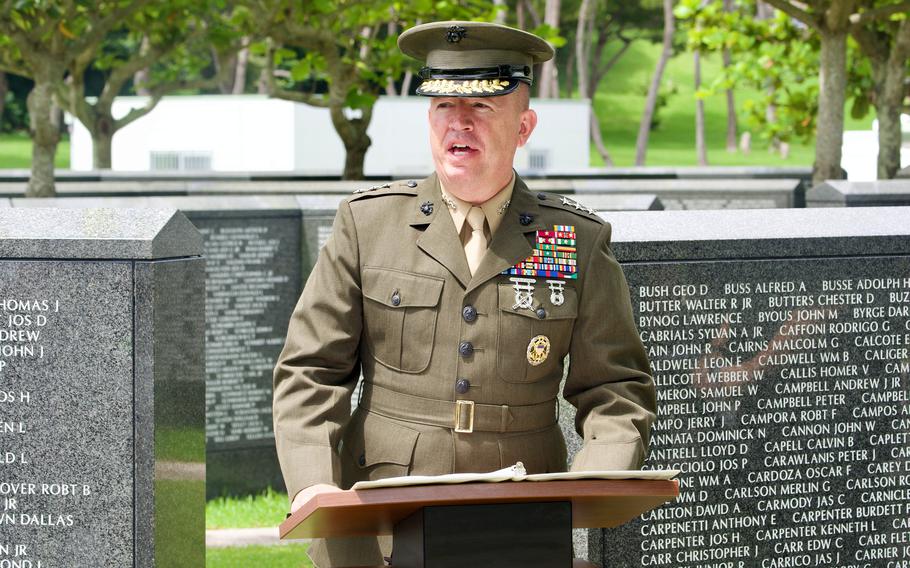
{"type": "Point", "coordinates": [888, 106]}
{"type": "Point", "coordinates": [644, 127]}
{"type": "Point", "coordinates": [700, 146]}
{"type": "Point", "coordinates": [102, 140]}
{"type": "Point", "coordinates": [832, 87]}
{"type": "Point", "coordinates": [243, 59]}
{"type": "Point", "coordinates": [353, 134]}
{"type": "Point", "coordinates": [501, 11]}
{"type": "Point", "coordinates": [731, 102]}
{"type": "Point", "coordinates": [581, 59]}
{"type": "Point", "coordinates": [4, 88]}
{"type": "Point", "coordinates": [141, 77]}
{"type": "Point", "coordinates": [549, 87]}
{"type": "Point", "coordinates": [597, 138]}
{"type": "Point", "coordinates": [45, 136]}
{"type": "Point", "coordinates": [570, 74]}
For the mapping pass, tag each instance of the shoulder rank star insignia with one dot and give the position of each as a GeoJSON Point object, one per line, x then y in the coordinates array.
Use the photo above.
{"type": "Point", "coordinates": [374, 188]}
{"type": "Point", "coordinates": [578, 206]}
{"type": "Point", "coordinates": [538, 350]}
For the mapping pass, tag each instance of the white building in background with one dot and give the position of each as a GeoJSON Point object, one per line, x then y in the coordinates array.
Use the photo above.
{"type": "Point", "coordinates": [255, 133]}
{"type": "Point", "coordinates": [859, 152]}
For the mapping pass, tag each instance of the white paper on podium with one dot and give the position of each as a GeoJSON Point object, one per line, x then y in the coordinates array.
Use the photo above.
{"type": "Point", "coordinates": [513, 473]}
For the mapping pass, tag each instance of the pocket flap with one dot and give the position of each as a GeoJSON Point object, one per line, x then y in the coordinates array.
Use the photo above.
{"type": "Point", "coordinates": [381, 440]}
{"type": "Point", "coordinates": [398, 289]}
{"type": "Point", "coordinates": [567, 310]}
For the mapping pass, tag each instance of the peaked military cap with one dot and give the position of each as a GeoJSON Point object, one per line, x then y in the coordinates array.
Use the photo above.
{"type": "Point", "coordinates": [473, 59]}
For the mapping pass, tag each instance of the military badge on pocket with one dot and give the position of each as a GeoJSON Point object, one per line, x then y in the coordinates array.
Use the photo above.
{"type": "Point", "coordinates": [538, 349]}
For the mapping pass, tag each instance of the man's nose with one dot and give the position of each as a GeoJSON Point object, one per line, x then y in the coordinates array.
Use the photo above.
{"type": "Point", "coordinates": [461, 119]}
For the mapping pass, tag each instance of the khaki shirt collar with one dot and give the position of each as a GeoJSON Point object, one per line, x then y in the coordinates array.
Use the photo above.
{"type": "Point", "coordinates": [493, 209]}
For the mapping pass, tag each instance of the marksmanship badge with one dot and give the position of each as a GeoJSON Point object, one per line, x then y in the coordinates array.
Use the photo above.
{"type": "Point", "coordinates": [556, 295]}
{"type": "Point", "coordinates": [524, 293]}
{"type": "Point", "coordinates": [538, 349]}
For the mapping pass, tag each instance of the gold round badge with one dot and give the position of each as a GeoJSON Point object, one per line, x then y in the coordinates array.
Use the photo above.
{"type": "Point", "coordinates": [538, 350]}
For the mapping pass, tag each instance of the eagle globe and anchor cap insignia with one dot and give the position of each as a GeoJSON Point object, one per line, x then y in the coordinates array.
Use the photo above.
{"type": "Point", "coordinates": [455, 34]}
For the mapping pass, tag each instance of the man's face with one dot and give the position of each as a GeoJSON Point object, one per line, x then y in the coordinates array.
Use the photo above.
{"type": "Point", "coordinates": [473, 140]}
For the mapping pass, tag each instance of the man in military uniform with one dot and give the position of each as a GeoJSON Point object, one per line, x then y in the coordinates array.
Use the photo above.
{"type": "Point", "coordinates": [458, 298]}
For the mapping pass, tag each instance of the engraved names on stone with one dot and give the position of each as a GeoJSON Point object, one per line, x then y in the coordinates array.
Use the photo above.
{"type": "Point", "coordinates": [786, 404]}
{"type": "Point", "coordinates": [53, 384]}
{"type": "Point", "coordinates": [21, 325]}
{"type": "Point", "coordinates": [246, 287]}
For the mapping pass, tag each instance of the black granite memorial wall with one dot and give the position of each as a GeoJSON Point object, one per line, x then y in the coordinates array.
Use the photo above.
{"type": "Point", "coordinates": [101, 389]}
{"type": "Point", "coordinates": [780, 346]}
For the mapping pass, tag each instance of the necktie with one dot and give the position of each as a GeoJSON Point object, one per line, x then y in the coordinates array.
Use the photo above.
{"type": "Point", "coordinates": [476, 245]}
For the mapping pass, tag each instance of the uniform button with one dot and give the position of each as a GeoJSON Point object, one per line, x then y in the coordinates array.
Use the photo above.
{"type": "Point", "coordinates": [469, 313]}
{"type": "Point", "coordinates": [396, 298]}
{"type": "Point", "coordinates": [362, 460]}
{"type": "Point", "coordinates": [411, 183]}
{"type": "Point", "coordinates": [541, 313]}
{"type": "Point", "coordinates": [542, 196]}
{"type": "Point", "coordinates": [466, 349]}
{"type": "Point", "coordinates": [462, 386]}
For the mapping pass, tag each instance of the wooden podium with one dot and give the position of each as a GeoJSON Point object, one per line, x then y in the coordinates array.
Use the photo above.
{"type": "Point", "coordinates": [523, 524]}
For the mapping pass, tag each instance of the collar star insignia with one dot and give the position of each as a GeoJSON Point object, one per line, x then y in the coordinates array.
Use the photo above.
{"type": "Point", "coordinates": [449, 203]}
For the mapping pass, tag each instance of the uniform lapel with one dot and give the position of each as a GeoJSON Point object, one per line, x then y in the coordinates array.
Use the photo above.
{"type": "Point", "coordinates": [439, 239]}
{"type": "Point", "coordinates": [510, 244]}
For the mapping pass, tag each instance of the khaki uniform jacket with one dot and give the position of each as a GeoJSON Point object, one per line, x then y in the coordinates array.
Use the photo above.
{"type": "Point", "coordinates": [387, 298]}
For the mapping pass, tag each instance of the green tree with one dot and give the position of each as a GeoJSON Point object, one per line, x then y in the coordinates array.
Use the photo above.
{"type": "Point", "coordinates": [882, 32]}
{"type": "Point", "coordinates": [773, 56]}
{"type": "Point", "coordinates": [40, 40]}
{"type": "Point", "coordinates": [174, 41]}
{"type": "Point", "coordinates": [790, 65]}
{"type": "Point", "coordinates": [600, 34]}
{"type": "Point", "coordinates": [340, 55]}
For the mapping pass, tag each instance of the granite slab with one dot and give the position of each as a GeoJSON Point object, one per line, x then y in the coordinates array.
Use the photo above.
{"type": "Point", "coordinates": [843, 193]}
{"type": "Point", "coordinates": [42, 232]}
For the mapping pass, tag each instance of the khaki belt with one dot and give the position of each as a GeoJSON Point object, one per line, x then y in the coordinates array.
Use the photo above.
{"type": "Point", "coordinates": [464, 416]}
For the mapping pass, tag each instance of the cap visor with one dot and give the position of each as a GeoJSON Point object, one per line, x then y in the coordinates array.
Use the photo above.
{"type": "Point", "coordinates": [468, 88]}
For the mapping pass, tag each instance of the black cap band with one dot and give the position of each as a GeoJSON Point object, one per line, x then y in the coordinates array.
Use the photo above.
{"type": "Point", "coordinates": [517, 72]}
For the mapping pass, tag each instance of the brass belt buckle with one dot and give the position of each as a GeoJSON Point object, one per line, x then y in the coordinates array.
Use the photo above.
{"type": "Point", "coordinates": [464, 416]}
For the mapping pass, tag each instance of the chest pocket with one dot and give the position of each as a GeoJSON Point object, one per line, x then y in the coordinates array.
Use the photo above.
{"type": "Point", "coordinates": [518, 326]}
{"type": "Point", "coordinates": [400, 311]}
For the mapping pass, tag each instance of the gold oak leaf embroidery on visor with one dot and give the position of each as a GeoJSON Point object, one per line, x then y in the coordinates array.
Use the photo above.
{"type": "Point", "coordinates": [462, 87]}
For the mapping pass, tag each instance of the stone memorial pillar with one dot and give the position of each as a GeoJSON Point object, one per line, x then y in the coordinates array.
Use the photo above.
{"type": "Point", "coordinates": [102, 392]}
{"type": "Point", "coordinates": [780, 346]}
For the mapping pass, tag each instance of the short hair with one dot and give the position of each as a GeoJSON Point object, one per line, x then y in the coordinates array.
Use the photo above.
{"type": "Point", "coordinates": [524, 96]}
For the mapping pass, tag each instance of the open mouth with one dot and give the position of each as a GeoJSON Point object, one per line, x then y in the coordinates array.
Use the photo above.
{"type": "Point", "coordinates": [461, 150]}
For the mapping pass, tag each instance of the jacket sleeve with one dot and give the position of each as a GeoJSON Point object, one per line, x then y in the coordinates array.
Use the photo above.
{"type": "Point", "coordinates": [609, 380]}
{"type": "Point", "coordinates": [319, 367]}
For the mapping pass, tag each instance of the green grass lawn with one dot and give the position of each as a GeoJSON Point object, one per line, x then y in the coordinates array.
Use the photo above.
{"type": "Point", "coordinates": [621, 98]}
{"type": "Point", "coordinates": [16, 152]}
{"type": "Point", "coordinates": [285, 556]}
{"type": "Point", "coordinates": [265, 510]}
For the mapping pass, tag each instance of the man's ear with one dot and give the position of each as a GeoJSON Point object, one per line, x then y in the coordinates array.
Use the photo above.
{"type": "Point", "coordinates": [527, 125]}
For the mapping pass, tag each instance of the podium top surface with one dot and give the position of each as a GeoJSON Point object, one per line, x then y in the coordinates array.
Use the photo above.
{"type": "Point", "coordinates": [595, 503]}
